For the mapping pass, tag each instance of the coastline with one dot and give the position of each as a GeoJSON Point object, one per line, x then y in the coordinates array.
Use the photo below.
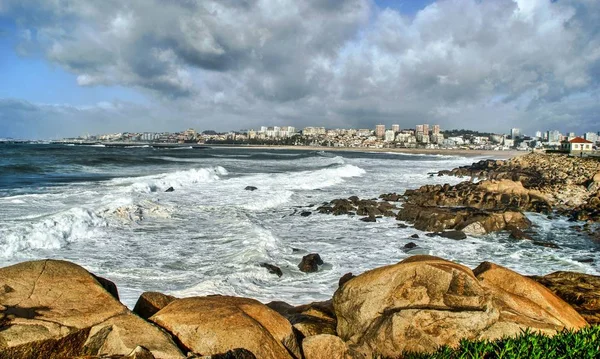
{"type": "Point", "coordinates": [416, 151]}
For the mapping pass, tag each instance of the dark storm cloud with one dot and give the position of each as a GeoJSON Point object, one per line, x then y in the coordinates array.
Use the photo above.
{"type": "Point", "coordinates": [485, 64]}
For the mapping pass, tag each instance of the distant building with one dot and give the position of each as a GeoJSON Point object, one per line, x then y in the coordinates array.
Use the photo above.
{"type": "Point", "coordinates": [426, 130]}
{"type": "Point", "coordinates": [435, 130]}
{"type": "Point", "coordinates": [591, 136]}
{"type": "Point", "coordinates": [554, 136]}
{"type": "Point", "coordinates": [380, 131]}
{"type": "Point", "coordinates": [538, 134]}
{"type": "Point", "coordinates": [515, 133]}
{"type": "Point", "coordinates": [314, 131]}
{"type": "Point", "coordinates": [577, 146]}
{"type": "Point", "coordinates": [418, 129]}
{"type": "Point", "coordinates": [390, 136]}
{"type": "Point", "coordinates": [396, 128]}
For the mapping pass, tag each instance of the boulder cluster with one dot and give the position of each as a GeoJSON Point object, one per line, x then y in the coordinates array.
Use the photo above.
{"type": "Point", "coordinates": [541, 183]}
{"type": "Point", "coordinates": [57, 309]}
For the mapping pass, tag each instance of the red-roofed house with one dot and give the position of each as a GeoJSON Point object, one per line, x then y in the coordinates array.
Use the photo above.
{"type": "Point", "coordinates": [577, 146]}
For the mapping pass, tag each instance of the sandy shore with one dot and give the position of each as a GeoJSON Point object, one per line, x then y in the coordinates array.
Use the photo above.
{"type": "Point", "coordinates": [422, 151]}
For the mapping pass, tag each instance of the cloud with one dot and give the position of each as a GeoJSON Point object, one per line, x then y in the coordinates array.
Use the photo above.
{"type": "Point", "coordinates": [485, 64]}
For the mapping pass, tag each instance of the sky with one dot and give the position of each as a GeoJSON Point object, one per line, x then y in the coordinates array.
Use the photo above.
{"type": "Point", "coordinates": [71, 68]}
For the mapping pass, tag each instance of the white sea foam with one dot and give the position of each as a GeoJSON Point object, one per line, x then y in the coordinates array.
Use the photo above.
{"type": "Point", "coordinates": [52, 232]}
{"type": "Point", "coordinates": [177, 179]}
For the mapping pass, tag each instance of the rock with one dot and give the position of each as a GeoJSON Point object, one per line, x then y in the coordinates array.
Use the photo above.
{"type": "Point", "coordinates": [272, 269]}
{"type": "Point", "coordinates": [140, 353]}
{"type": "Point", "coordinates": [49, 300]}
{"type": "Point", "coordinates": [250, 188]}
{"type": "Point", "coordinates": [516, 233]}
{"type": "Point", "coordinates": [232, 354]}
{"type": "Point", "coordinates": [310, 263]}
{"type": "Point", "coordinates": [108, 285]}
{"type": "Point", "coordinates": [402, 225]}
{"type": "Point", "coordinates": [150, 303]}
{"type": "Point", "coordinates": [346, 277]}
{"type": "Point", "coordinates": [469, 220]}
{"type": "Point", "coordinates": [305, 213]}
{"type": "Point", "coordinates": [310, 319]}
{"type": "Point", "coordinates": [424, 302]}
{"type": "Point", "coordinates": [325, 346]}
{"type": "Point", "coordinates": [170, 189]}
{"type": "Point", "coordinates": [216, 324]}
{"type": "Point", "coordinates": [369, 219]}
{"type": "Point", "coordinates": [456, 235]}
{"type": "Point", "coordinates": [414, 236]}
{"type": "Point", "coordinates": [582, 291]}
{"type": "Point", "coordinates": [409, 245]}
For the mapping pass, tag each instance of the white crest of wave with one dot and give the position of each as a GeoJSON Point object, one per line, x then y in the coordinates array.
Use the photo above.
{"type": "Point", "coordinates": [178, 179]}
{"type": "Point", "coordinates": [325, 177]}
{"type": "Point", "coordinates": [51, 233]}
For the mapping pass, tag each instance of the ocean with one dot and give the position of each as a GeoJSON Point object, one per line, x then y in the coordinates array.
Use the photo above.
{"type": "Point", "coordinates": [106, 209]}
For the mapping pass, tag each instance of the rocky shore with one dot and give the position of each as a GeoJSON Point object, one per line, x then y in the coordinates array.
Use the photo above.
{"type": "Point", "coordinates": [57, 309]}
{"type": "Point", "coordinates": [494, 198]}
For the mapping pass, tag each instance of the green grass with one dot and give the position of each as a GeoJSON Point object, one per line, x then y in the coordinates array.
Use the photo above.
{"type": "Point", "coordinates": [584, 343]}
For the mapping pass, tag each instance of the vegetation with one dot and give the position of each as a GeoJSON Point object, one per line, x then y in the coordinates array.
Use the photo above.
{"type": "Point", "coordinates": [581, 344]}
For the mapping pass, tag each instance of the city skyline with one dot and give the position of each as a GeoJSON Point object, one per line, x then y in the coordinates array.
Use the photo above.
{"type": "Point", "coordinates": [161, 66]}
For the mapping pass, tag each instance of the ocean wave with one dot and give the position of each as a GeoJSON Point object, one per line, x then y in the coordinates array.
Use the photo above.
{"type": "Point", "coordinates": [177, 180]}
{"type": "Point", "coordinates": [20, 168]}
{"type": "Point", "coordinates": [54, 232]}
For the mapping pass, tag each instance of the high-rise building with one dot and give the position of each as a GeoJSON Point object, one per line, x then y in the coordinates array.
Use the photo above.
{"type": "Point", "coordinates": [380, 131]}
{"type": "Point", "coordinates": [419, 129]}
{"type": "Point", "coordinates": [515, 133]}
{"type": "Point", "coordinates": [435, 130]}
{"type": "Point", "coordinates": [396, 128]}
{"type": "Point", "coordinates": [538, 134]}
{"type": "Point", "coordinates": [591, 136]}
{"type": "Point", "coordinates": [425, 129]}
{"type": "Point", "coordinates": [554, 136]}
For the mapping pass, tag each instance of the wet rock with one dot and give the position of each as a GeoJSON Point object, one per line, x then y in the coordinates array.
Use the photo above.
{"type": "Point", "coordinates": [310, 263]}
{"type": "Point", "coordinates": [516, 233]}
{"type": "Point", "coordinates": [273, 269]}
{"type": "Point", "coordinates": [250, 188]}
{"type": "Point", "coordinates": [456, 235]}
{"type": "Point", "coordinates": [170, 189]}
{"type": "Point", "coordinates": [391, 197]}
{"type": "Point", "coordinates": [108, 285]}
{"type": "Point", "coordinates": [150, 303]}
{"type": "Point", "coordinates": [414, 236]}
{"type": "Point", "coordinates": [346, 277]}
{"type": "Point", "coordinates": [402, 225]}
{"type": "Point", "coordinates": [410, 245]}
{"type": "Point", "coordinates": [369, 219]}
{"type": "Point", "coordinates": [585, 260]}
{"type": "Point", "coordinates": [582, 291]}
{"type": "Point", "coordinates": [305, 213]}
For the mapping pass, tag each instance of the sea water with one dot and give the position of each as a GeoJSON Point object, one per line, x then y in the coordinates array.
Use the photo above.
{"type": "Point", "coordinates": [107, 210]}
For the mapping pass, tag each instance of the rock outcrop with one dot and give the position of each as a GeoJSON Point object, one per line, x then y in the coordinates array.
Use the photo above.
{"type": "Point", "coordinates": [325, 346]}
{"type": "Point", "coordinates": [424, 302]}
{"type": "Point", "coordinates": [49, 300]}
{"type": "Point", "coordinates": [581, 291]}
{"type": "Point", "coordinates": [310, 263]}
{"type": "Point", "coordinates": [216, 324]}
{"type": "Point", "coordinates": [149, 303]}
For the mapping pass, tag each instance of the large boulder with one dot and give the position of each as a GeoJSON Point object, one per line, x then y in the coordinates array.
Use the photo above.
{"type": "Point", "coordinates": [582, 291]}
{"type": "Point", "coordinates": [424, 302]}
{"type": "Point", "coordinates": [216, 324]}
{"type": "Point", "coordinates": [310, 263]}
{"type": "Point", "coordinates": [48, 300]}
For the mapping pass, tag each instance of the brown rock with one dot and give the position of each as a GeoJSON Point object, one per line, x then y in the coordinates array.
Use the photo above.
{"type": "Point", "coordinates": [216, 324]}
{"type": "Point", "coordinates": [309, 319]}
{"type": "Point", "coordinates": [310, 263]}
{"type": "Point", "coordinates": [424, 302]}
{"type": "Point", "coordinates": [150, 303]}
{"type": "Point", "coordinates": [346, 277]}
{"type": "Point", "coordinates": [273, 269]}
{"type": "Point", "coordinates": [325, 346]}
{"type": "Point", "coordinates": [582, 291]}
{"type": "Point", "coordinates": [46, 301]}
